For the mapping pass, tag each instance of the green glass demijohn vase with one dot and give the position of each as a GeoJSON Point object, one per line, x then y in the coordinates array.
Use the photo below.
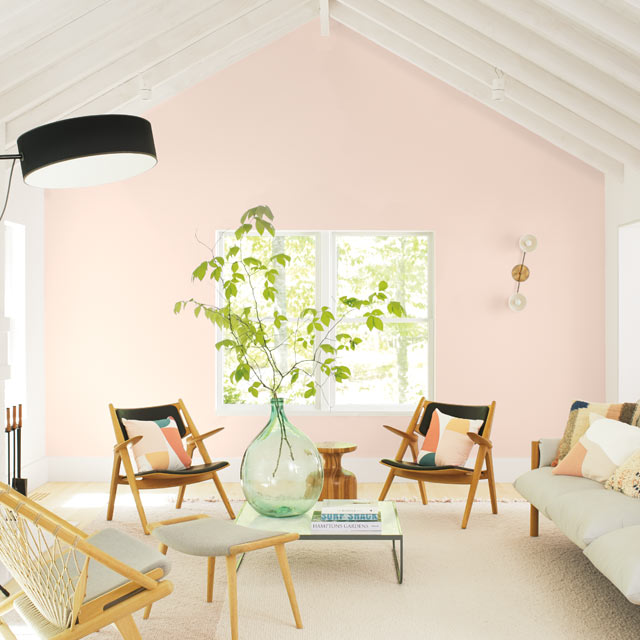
{"type": "Point", "coordinates": [281, 472]}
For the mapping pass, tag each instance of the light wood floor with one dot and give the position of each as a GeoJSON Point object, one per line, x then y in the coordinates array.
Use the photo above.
{"type": "Point", "coordinates": [83, 502]}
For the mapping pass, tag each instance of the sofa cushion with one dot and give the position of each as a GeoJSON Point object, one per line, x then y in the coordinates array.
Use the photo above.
{"type": "Point", "coordinates": [584, 516]}
{"type": "Point", "coordinates": [617, 556]}
{"type": "Point", "coordinates": [540, 487]}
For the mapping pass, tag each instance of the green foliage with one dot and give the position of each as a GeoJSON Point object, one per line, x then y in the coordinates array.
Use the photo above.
{"type": "Point", "coordinates": [278, 344]}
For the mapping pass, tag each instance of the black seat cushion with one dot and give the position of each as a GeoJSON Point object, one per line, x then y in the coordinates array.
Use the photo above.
{"type": "Point", "coordinates": [412, 466]}
{"type": "Point", "coordinates": [193, 470]}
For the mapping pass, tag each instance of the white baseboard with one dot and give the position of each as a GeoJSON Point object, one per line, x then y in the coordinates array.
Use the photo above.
{"type": "Point", "coordinates": [98, 469]}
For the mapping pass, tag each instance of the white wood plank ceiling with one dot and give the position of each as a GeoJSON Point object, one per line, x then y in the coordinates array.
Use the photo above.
{"type": "Point", "coordinates": [571, 68]}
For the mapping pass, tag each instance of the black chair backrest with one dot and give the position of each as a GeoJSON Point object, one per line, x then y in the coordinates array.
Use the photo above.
{"type": "Point", "coordinates": [151, 413]}
{"type": "Point", "coordinates": [456, 410]}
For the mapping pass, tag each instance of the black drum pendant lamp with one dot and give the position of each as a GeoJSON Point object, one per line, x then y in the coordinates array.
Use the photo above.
{"type": "Point", "coordinates": [84, 152]}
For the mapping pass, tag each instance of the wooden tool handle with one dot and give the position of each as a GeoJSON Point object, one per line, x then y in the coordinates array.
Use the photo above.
{"type": "Point", "coordinates": [8, 420]}
{"type": "Point", "coordinates": [14, 426]}
{"type": "Point", "coordinates": [19, 416]}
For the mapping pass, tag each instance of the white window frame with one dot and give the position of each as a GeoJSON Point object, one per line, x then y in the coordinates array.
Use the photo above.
{"type": "Point", "coordinates": [326, 294]}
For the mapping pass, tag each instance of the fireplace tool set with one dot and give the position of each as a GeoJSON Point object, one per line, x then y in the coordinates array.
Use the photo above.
{"type": "Point", "coordinates": [14, 450]}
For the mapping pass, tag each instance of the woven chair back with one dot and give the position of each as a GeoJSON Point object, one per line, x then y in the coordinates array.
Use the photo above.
{"type": "Point", "coordinates": [47, 568]}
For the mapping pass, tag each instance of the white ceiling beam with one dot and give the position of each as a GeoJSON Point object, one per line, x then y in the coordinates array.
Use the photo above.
{"type": "Point", "coordinates": [324, 17]}
{"type": "Point", "coordinates": [180, 45]}
{"type": "Point", "coordinates": [532, 49]}
{"type": "Point", "coordinates": [10, 8]}
{"type": "Point", "coordinates": [617, 22]}
{"type": "Point", "coordinates": [449, 74]}
{"type": "Point", "coordinates": [126, 97]}
{"type": "Point", "coordinates": [448, 19]}
{"type": "Point", "coordinates": [73, 36]}
{"type": "Point", "coordinates": [480, 70]}
{"type": "Point", "coordinates": [577, 41]}
{"type": "Point", "coordinates": [533, 101]}
{"type": "Point", "coordinates": [39, 19]}
{"type": "Point", "coordinates": [124, 44]}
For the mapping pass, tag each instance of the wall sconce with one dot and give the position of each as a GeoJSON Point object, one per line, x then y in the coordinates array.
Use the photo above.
{"type": "Point", "coordinates": [520, 273]}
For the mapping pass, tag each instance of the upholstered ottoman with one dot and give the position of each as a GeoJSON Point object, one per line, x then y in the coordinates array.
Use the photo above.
{"type": "Point", "coordinates": [210, 538]}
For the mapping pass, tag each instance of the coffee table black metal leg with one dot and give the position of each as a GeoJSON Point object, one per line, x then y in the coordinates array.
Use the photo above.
{"type": "Point", "coordinates": [399, 564]}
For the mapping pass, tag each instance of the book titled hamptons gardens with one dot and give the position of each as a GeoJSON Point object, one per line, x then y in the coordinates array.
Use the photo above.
{"type": "Point", "coordinates": [347, 517]}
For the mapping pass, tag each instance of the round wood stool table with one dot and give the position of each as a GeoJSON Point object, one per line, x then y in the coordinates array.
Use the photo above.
{"type": "Point", "coordinates": [338, 483]}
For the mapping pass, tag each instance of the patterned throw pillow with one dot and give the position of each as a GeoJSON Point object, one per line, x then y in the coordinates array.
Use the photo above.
{"type": "Point", "coordinates": [626, 478]}
{"type": "Point", "coordinates": [446, 442]}
{"type": "Point", "coordinates": [161, 446]}
{"type": "Point", "coordinates": [578, 422]}
{"type": "Point", "coordinates": [605, 445]}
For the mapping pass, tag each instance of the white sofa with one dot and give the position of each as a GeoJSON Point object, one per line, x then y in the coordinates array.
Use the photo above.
{"type": "Point", "coordinates": [604, 523]}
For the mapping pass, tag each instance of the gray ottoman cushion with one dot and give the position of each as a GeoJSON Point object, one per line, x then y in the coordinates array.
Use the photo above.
{"type": "Point", "coordinates": [617, 556]}
{"type": "Point", "coordinates": [584, 516]}
{"type": "Point", "coordinates": [118, 544]}
{"type": "Point", "coordinates": [208, 536]}
{"type": "Point", "coordinates": [540, 487]}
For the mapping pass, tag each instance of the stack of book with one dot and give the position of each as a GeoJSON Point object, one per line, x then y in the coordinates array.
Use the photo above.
{"type": "Point", "coordinates": [343, 516]}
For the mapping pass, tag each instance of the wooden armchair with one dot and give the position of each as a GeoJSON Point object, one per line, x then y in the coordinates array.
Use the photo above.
{"type": "Point", "coordinates": [72, 584]}
{"type": "Point", "coordinates": [160, 479]}
{"type": "Point", "coordinates": [419, 425]}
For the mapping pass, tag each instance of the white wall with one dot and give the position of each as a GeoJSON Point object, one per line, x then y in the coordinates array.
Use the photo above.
{"type": "Point", "coordinates": [629, 311]}
{"type": "Point", "coordinates": [26, 207]}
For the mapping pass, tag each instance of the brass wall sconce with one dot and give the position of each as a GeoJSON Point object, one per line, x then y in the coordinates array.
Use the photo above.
{"type": "Point", "coordinates": [520, 273]}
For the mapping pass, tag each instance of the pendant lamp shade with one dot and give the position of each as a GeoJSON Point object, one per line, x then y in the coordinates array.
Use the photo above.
{"type": "Point", "coordinates": [87, 151]}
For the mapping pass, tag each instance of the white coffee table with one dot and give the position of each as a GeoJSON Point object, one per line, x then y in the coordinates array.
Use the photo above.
{"type": "Point", "coordinates": [249, 517]}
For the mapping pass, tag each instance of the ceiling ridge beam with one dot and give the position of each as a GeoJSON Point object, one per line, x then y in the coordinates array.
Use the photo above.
{"type": "Point", "coordinates": [46, 87]}
{"type": "Point", "coordinates": [484, 72]}
{"type": "Point", "coordinates": [137, 64]}
{"type": "Point", "coordinates": [126, 96]}
{"type": "Point", "coordinates": [571, 37]}
{"type": "Point", "coordinates": [476, 89]}
{"type": "Point", "coordinates": [446, 23]}
{"type": "Point", "coordinates": [618, 27]}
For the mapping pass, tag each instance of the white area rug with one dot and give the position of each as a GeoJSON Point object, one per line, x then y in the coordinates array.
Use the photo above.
{"type": "Point", "coordinates": [490, 581]}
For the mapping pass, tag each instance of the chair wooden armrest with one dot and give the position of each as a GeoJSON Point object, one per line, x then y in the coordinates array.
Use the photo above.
{"type": "Point", "coordinates": [411, 437]}
{"type": "Point", "coordinates": [479, 440]}
{"type": "Point", "coordinates": [7, 604]}
{"type": "Point", "coordinates": [126, 443]}
{"type": "Point", "coordinates": [202, 436]}
{"type": "Point", "coordinates": [162, 523]}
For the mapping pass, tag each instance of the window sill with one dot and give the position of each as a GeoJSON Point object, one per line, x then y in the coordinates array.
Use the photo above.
{"type": "Point", "coordinates": [263, 410]}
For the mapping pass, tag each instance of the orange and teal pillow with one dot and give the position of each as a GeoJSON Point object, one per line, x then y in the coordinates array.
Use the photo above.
{"type": "Point", "coordinates": [446, 442]}
{"type": "Point", "coordinates": [605, 446]}
{"type": "Point", "coordinates": [161, 446]}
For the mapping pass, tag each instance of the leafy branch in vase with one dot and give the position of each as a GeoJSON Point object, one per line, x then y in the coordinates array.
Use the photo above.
{"type": "Point", "coordinates": [275, 350]}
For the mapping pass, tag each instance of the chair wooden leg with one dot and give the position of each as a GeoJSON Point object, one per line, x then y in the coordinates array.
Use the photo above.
{"type": "Point", "coordinates": [423, 492]}
{"type": "Point", "coordinates": [223, 495]}
{"type": "Point", "coordinates": [492, 483]}
{"type": "Point", "coordinates": [533, 522]}
{"type": "Point", "coordinates": [288, 582]}
{"type": "Point", "coordinates": [113, 489]}
{"type": "Point", "coordinates": [136, 498]}
{"type": "Point", "coordinates": [232, 580]}
{"type": "Point", "coordinates": [477, 471]}
{"type": "Point", "coordinates": [147, 610]}
{"type": "Point", "coordinates": [211, 565]}
{"type": "Point", "coordinates": [387, 485]}
{"type": "Point", "coordinates": [127, 628]}
{"type": "Point", "coordinates": [180, 497]}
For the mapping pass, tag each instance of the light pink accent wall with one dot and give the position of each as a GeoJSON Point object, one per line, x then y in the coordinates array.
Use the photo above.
{"type": "Point", "coordinates": [332, 134]}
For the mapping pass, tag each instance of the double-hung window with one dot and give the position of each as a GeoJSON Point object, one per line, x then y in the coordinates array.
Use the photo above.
{"type": "Point", "coordinates": [390, 369]}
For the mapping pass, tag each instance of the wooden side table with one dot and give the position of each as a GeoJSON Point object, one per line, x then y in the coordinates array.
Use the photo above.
{"type": "Point", "coordinates": [338, 483]}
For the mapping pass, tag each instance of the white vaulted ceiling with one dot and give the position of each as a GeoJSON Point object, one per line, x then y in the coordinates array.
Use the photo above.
{"type": "Point", "coordinates": [571, 67]}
